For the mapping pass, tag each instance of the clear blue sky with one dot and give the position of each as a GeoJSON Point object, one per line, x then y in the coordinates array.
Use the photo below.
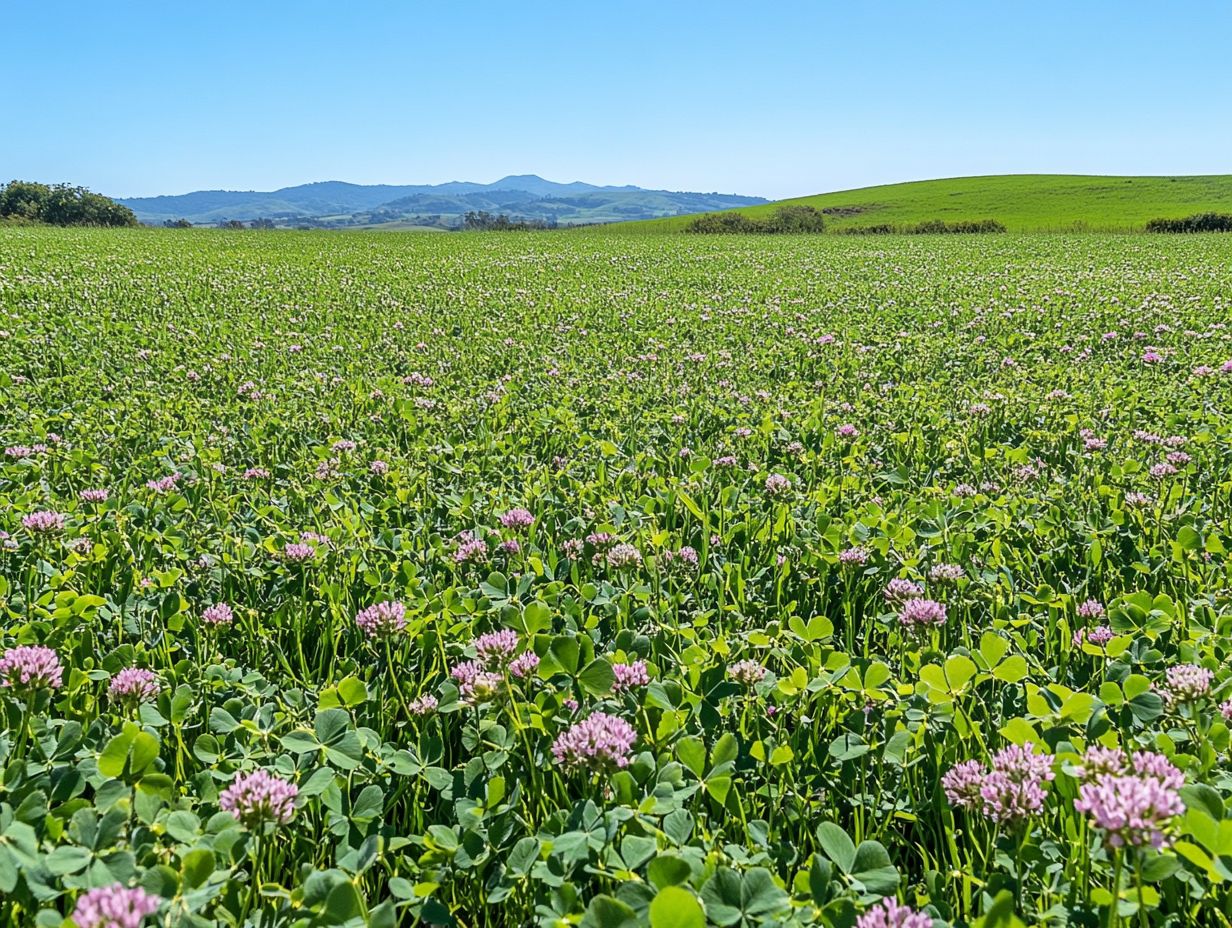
{"type": "Point", "coordinates": [770, 98]}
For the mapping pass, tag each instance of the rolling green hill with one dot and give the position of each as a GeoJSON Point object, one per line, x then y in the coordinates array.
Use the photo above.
{"type": "Point", "coordinates": [1022, 202]}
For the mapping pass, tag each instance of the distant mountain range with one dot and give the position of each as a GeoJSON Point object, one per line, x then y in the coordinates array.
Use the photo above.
{"type": "Point", "coordinates": [334, 204]}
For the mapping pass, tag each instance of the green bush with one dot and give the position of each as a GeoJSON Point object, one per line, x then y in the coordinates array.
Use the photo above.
{"type": "Point", "coordinates": [786, 220]}
{"type": "Point", "coordinates": [723, 223]}
{"type": "Point", "coordinates": [883, 228]}
{"type": "Point", "coordinates": [958, 227]}
{"type": "Point", "coordinates": [929, 227]}
{"type": "Point", "coordinates": [795, 220]}
{"type": "Point", "coordinates": [1202, 222]}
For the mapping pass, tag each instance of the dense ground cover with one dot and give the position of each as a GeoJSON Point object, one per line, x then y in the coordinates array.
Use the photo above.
{"type": "Point", "coordinates": [1021, 202]}
{"type": "Point", "coordinates": [562, 579]}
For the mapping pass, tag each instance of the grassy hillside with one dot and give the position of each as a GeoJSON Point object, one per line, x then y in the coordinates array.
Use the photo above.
{"type": "Point", "coordinates": [1023, 202]}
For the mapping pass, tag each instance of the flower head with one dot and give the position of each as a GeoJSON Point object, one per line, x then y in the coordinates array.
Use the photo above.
{"type": "Point", "coordinates": [900, 589]}
{"type": "Point", "coordinates": [1133, 811]}
{"type": "Point", "coordinates": [1157, 766]}
{"type": "Point", "coordinates": [43, 522]}
{"type": "Point", "coordinates": [475, 683]}
{"type": "Point", "coordinates": [164, 484]}
{"type": "Point", "coordinates": [1091, 609]}
{"type": "Point", "coordinates": [470, 550]}
{"type": "Point", "coordinates": [946, 573]}
{"type": "Point", "coordinates": [622, 555]}
{"type": "Point", "coordinates": [298, 553]}
{"type": "Point", "coordinates": [747, 672]}
{"type": "Point", "coordinates": [1098, 636]}
{"type": "Point", "coordinates": [777, 485]}
{"type": "Point", "coordinates": [29, 668]}
{"type": "Point", "coordinates": [496, 649]}
{"type": "Point", "coordinates": [134, 685]}
{"type": "Point", "coordinates": [629, 676]}
{"type": "Point", "coordinates": [685, 559]}
{"type": "Point", "coordinates": [516, 519]}
{"type": "Point", "coordinates": [115, 906]}
{"type": "Point", "coordinates": [853, 557]}
{"type": "Point", "coordinates": [382, 620]}
{"type": "Point", "coordinates": [1097, 761]}
{"type": "Point", "coordinates": [218, 614]}
{"type": "Point", "coordinates": [888, 913]}
{"type": "Point", "coordinates": [918, 614]}
{"type": "Point", "coordinates": [962, 784]}
{"type": "Point", "coordinates": [423, 705]}
{"type": "Point", "coordinates": [259, 797]}
{"type": "Point", "coordinates": [1186, 683]}
{"type": "Point", "coordinates": [1014, 788]}
{"type": "Point", "coordinates": [1009, 792]}
{"type": "Point", "coordinates": [598, 742]}
{"type": "Point", "coordinates": [524, 664]}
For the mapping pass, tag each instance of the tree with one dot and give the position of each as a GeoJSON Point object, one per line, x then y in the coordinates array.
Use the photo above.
{"type": "Point", "coordinates": [177, 224]}
{"type": "Point", "coordinates": [23, 199]}
{"type": "Point", "coordinates": [61, 205]}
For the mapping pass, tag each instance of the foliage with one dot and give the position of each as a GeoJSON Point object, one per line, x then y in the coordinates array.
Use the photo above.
{"type": "Point", "coordinates": [928, 227]}
{"type": "Point", "coordinates": [955, 227]}
{"type": "Point", "coordinates": [387, 517]}
{"type": "Point", "coordinates": [1202, 222]}
{"type": "Point", "coordinates": [61, 205]}
{"type": "Point", "coordinates": [726, 223]}
{"type": "Point", "coordinates": [483, 221]}
{"type": "Point", "coordinates": [787, 220]}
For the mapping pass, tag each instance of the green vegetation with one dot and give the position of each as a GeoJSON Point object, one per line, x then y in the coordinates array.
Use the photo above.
{"type": "Point", "coordinates": [60, 205]}
{"type": "Point", "coordinates": [1202, 222]}
{"type": "Point", "coordinates": [1020, 202]}
{"type": "Point", "coordinates": [786, 220]}
{"type": "Point", "coordinates": [586, 581]}
{"type": "Point", "coordinates": [483, 221]}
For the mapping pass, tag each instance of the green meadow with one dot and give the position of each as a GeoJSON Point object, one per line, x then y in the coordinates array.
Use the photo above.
{"type": "Point", "coordinates": [1021, 202]}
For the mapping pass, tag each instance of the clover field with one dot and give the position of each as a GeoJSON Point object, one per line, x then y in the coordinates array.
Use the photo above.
{"type": "Point", "coordinates": [614, 581]}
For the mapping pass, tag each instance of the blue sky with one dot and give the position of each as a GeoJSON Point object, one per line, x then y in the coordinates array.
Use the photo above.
{"type": "Point", "coordinates": [769, 98]}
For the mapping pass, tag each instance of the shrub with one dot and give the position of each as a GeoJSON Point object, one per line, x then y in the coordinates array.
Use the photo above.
{"type": "Point", "coordinates": [957, 227]}
{"type": "Point", "coordinates": [786, 220]}
{"type": "Point", "coordinates": [795, 220]}
{"type": "Point", "coordinates": [1201, 222]}
{"type": "Point", "coordinates": [723, 223]}
{"type": "Point", "coordinates": [883, 228]}
{"type": "Point", "coordinates": [929, 227]}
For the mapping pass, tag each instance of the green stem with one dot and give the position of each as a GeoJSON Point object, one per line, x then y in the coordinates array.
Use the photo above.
{"type": "Point", "coordinates": [1113, 916]}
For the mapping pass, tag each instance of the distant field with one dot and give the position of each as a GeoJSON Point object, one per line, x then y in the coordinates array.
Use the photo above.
{"type": "Point", "coordinates": [1022, 202]}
